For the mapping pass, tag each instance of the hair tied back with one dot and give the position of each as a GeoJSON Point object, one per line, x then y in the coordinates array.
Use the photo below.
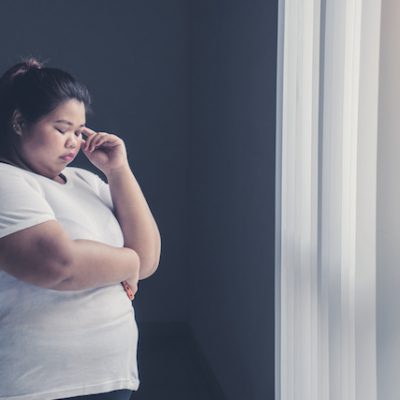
{"type": "Point", "coordinates": [26, 65]}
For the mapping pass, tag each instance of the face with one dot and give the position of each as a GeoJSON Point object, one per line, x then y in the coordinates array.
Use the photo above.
{"type": "Point", "coordinates": [43, 145]}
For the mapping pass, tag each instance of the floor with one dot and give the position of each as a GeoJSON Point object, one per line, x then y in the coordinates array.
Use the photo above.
{"type": "Point", "coordinates": [171, 365]}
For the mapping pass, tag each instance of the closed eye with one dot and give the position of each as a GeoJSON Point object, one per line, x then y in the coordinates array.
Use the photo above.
{"type": "Point", "coordinates": [76, 133]}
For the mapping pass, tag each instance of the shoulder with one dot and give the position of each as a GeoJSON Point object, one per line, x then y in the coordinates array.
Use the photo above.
{"type": "Point", "coordinates": [81, 173]}
{"type": "Point", "coordinates": [10, 170]}
{"type": "Point", "coordinates": [91, 178]}
{"type": "Point", "coordinates": [23, 203]}
{"type": "Point", "coordinates": [15, 177]}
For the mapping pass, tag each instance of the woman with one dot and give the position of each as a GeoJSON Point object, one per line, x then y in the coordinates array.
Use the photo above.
{"type": "Point", "coordinates": [72, 247]}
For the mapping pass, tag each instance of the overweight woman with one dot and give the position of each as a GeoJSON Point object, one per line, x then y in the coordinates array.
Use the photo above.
{"type": "Point", "coordinates": [72, 247]}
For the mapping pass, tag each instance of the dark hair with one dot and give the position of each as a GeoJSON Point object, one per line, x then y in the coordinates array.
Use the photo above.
{"type": "Point", "coordinates": [35, 90]}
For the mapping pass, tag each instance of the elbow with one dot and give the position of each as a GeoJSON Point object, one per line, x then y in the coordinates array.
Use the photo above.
{"type": "Point", "coordinates": [157, 252]}
{"type": "Point", "coordinates": [157, 257]}
{"type": "Point", "coordinates": [146, 273]}
{"type": "Point", "coordinates": [155, 266]}
{"type": "Point", "coordinates": [148, 270]}
{"type": "Point", "coordinates": [148, 266]}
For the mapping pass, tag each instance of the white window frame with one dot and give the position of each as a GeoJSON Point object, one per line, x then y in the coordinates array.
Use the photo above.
{"type": "Point", "coordinates": [326, 162]}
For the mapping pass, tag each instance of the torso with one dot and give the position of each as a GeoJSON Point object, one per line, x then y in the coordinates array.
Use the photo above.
{"type": "Point", "coordinates": [71, 328]}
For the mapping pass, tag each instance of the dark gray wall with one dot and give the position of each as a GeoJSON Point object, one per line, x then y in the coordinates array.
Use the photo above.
{"type": "Point", "coordinates": [133, 56]}
{"type": "Point", "coordinates": [190, 87]}
{"type": "Point", "coordinates": [232, 181]}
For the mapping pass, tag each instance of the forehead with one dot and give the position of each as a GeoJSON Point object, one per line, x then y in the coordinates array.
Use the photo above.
{"type": "Point", "coordinates": [71, 112]}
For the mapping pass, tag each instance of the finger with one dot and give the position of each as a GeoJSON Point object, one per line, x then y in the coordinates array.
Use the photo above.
{"type": "Point", "coordinates": [107, 141]}
{"type": "Point", "coordinates": [92, 142]}
{"type": "Point", "coordinates": [86, 129]}
{"type": "Point", "coordinates": [96, 141]}
{"type": "Point", "coordinates": [85, 142]}
{"type": "Point", "coordinates": [104, 142]}
{"type": "Point", "coordinates": [89, 141]}
{"type": "Point", "coordinates": [88, 132]}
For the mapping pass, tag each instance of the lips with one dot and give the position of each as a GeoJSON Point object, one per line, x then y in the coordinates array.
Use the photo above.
{"type": "Point", "coordinates": [68, 156]}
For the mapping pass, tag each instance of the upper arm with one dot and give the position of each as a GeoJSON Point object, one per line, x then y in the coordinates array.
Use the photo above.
{"type": "Point", "coordinates": [33, 244]}
{"type": "Point", "coordinates": [39, 255]}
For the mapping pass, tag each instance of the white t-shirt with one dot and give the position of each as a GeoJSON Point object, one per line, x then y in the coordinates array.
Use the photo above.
{"type": "Point", "coordinates": [56, 344]}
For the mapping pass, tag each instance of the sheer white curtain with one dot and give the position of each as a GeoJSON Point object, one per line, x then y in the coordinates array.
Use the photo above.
{"type": "Point", "coordinates": [327, 105]}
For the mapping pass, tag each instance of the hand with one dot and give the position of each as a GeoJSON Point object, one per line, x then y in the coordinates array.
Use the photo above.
{"type": "Point", "coordinates": [133, 284]}
{"type": "Point", "coordinates": [104, 150]}
{"type": "Point", "coordinates": [129, 290]}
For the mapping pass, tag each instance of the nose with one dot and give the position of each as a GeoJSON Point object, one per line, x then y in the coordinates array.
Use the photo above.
{"type": "Point", "coordinates": [72, 141]}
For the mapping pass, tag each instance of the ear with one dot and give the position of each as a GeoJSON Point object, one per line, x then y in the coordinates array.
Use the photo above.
{"type": "Point", "coordinates": [17, 122]}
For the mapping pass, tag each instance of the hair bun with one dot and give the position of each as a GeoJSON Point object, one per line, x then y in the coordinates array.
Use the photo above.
{"type": "Point", "coordinates": [33, 63]}
{"type": "Point", "coordinates": [26, 65]}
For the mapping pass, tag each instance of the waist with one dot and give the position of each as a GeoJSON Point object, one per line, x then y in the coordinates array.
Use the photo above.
{"type": "Point", "coordinates": [34, 308]}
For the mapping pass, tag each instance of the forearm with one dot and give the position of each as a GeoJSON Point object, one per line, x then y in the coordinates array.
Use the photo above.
{"type": "Point", "coordinates": [95, 264]}
{"type": "Point", "coordinates": [135, 218]}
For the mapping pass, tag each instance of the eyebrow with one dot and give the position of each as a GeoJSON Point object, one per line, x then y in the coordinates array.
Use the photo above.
{"type": "Point", "coordinates": [67, 122]}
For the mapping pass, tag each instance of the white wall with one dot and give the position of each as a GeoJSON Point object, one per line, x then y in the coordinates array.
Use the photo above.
{"type": "Point", "coordinates": [388, 207]}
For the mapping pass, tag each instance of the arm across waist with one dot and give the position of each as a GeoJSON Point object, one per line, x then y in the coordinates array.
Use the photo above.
{"type": "Point", "coordinates": [95, 264]}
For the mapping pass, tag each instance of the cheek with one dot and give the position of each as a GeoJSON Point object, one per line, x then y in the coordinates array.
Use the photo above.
{"type": "Point", "coordinates": [47, 143]}
{"type": "Point", "coordinates": [37, 142]}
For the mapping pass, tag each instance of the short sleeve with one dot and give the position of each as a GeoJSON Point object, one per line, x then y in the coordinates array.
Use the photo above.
{"type": "Point", "coordinates": [22, 203]}
{"type": "Point", "coordinates": [101, 188]}
{"type": "Point", "coordinates": [104, 191]}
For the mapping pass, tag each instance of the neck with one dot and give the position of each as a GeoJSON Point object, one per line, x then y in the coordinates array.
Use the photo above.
{"type": "Point", "coordinates": [13, 157]}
